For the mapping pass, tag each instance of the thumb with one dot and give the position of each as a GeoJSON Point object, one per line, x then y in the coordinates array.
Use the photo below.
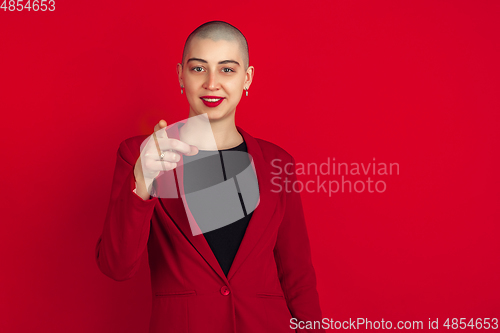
{"type": "Point", "coordinates": [194, 150]}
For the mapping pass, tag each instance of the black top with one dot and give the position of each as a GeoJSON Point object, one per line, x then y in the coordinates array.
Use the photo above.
{"type": "Point", "coordinates": [203, 172]}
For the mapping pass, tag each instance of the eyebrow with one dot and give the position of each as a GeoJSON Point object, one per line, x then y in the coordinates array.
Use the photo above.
{"type": "Point", "coordinates": [220, 62]}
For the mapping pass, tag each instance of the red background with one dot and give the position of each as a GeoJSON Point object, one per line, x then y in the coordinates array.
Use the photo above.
{"type": "Point", "coordinates": [410, 83]}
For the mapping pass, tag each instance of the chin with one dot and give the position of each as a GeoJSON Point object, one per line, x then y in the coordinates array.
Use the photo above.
{"type": "Point", "coordinates": [214, 114]}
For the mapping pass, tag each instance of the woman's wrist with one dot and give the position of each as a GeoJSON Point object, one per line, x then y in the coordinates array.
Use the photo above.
{"type": "Point", "coordinates": [141, 191]}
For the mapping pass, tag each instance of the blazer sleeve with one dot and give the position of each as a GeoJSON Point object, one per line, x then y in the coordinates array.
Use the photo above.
{"type": "Point", "coordinates": [293, 259]}
{"type": "Point", "coordinates": [127, 224]}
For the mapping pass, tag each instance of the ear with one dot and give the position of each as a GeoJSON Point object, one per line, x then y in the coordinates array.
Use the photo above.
{"type": "Point", "coordinates": [249, 76]}
{"type": "Point", "coordinates": [179, 73]}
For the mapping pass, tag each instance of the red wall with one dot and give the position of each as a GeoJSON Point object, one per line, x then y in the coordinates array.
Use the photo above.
{"type": "Point", "coordinates": [409, 83]}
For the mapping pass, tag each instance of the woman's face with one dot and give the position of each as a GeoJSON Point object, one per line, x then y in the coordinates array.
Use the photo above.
{"type": "Point", "coordinates": [214, 77]}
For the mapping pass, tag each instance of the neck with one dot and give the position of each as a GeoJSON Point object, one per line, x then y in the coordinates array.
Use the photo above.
{"type": "Point", "coordinates": [211, 134]}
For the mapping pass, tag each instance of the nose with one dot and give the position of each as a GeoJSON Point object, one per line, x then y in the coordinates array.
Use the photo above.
{"type": "Point", "coordinates": [211, 82]}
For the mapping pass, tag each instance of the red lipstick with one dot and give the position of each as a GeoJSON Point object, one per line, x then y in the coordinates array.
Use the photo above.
{"type": "Point", "coordinates": [211, 101]}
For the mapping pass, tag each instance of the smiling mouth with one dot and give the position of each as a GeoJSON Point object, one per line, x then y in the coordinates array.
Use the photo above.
{"type": "Point", "coordinates": [211, 100]}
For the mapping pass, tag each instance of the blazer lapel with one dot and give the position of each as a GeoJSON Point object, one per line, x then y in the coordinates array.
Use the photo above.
{"type": "Point", "coordinates": [178, 210]}
{"type": "Point", "coordinates": [265, 207]}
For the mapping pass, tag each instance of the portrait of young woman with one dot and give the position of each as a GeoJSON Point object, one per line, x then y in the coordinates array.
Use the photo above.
{"type": "Point", "coordinates": [254, 274]}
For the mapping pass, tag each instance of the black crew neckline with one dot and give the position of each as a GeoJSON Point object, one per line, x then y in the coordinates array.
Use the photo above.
{"type": "Point", "coordinates": [241, 145]}
{"type": "Point", "coordinates": [236, 147]}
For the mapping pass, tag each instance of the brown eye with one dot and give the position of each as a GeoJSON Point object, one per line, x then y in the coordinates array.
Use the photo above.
{"type": "Point", "coordinates": [230, 70]}
{"type": "Point", "coordinates": [197, 67]}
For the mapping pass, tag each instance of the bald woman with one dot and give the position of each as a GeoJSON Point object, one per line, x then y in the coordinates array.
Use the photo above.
{"type": "Point", "coordinates": [254, 274]}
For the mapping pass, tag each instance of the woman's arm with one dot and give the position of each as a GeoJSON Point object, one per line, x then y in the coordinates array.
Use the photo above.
{"type": "Point", "coordinates": [126, 227]}
{"type": "Point", "coordinates": [293, 259]}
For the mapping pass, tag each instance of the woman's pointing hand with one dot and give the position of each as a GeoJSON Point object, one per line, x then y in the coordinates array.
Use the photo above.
{"type": "Point", "coordinates": [158, 153]}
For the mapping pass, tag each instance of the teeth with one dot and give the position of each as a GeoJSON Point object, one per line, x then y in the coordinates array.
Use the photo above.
{"type": "Point", "coordinates": [211, 99]}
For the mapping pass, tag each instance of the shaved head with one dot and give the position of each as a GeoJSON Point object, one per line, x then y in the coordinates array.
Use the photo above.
{"type": "Point", "coordinates": [219, 30]}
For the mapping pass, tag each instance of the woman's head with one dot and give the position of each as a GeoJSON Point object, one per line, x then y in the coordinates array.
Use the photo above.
{"type": "Point", "coordinates": [215, 62]}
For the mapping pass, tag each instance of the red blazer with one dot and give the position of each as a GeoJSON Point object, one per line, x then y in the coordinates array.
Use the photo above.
{"type": "Point", "coordinates": [271, 279]}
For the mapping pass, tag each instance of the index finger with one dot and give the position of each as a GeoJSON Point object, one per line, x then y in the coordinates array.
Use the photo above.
{"type": "Point", "coordinates": [161, 134]}
{"type": "Point", "coordinates": [164, 143]}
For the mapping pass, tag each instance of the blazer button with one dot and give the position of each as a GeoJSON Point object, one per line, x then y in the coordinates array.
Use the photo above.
{"type": "Point", "coordinates": [224, 291]}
